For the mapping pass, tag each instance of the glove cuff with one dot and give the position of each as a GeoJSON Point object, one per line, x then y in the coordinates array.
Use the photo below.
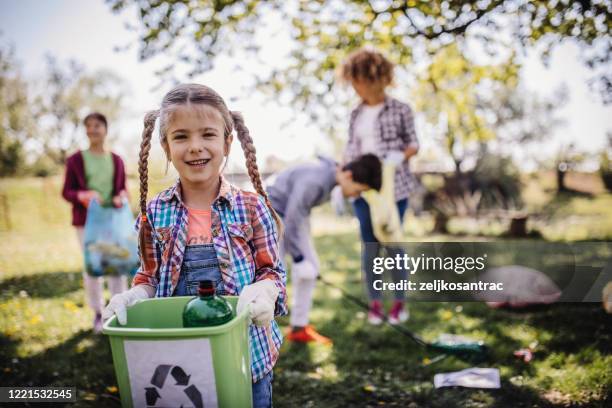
{"type": "Point", "coordinates": [139, 292]}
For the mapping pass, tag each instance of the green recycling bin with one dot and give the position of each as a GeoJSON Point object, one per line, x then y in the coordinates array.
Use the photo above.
{"type": "Point", "coordinates": [159, 363]}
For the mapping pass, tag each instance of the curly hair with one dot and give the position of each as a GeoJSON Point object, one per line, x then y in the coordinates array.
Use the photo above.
{"type": "Point", "coordinates": [367, 65]}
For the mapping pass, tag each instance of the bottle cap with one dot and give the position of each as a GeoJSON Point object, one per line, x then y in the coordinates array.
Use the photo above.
{"type": "Point", "coordinates": [206, 288]}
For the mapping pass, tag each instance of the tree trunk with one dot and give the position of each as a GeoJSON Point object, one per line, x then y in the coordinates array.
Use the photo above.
{"type": "Point", "coordinates": [518, 227]}
{"type": "Point", "coordinates": [458, 172]}
{"type": "Point", "coordinates": [561, 179]}
{"type": "Point", "coordinates": [440, 223]}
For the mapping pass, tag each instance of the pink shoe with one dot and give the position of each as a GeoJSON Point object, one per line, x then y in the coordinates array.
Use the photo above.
{"type": "Point", "coordinates": [398, 313]}
{"type": "Point", "coordinates": [97, 324]}
{"type": "Point", "coordinates": [376, 314]}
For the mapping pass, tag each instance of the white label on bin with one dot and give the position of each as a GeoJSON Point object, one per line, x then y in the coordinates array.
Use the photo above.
{"type": "Point", "coordinates": [175, 373]}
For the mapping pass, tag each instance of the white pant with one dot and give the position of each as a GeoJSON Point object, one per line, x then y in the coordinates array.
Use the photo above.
{"type": "Point", "coordinates": [303, 289]}
{"type": "Point", "coordinates": [94, 286]}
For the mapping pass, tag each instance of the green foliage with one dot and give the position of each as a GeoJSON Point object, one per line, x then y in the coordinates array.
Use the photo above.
{"type": "Point", "coordinates": [194, 32]}
{"type": "Point", "coordinates": [11, 154]}
{"type": "Point", "coordinates": [16, 123]}
{"type": "Point", "coordinates": [46, 338]}
{"type": "Point", "coordinates": [69, 94]}
{"type": "Point", "coordinates": [498, 178]}
{"type": "Point", "coordinates": [40, 121]}
{"type": "Point", "coordinates": [523, 117]}
{"type": "Point", "coordinates": [43, 166]}
{"type": "Point", "coordinates": [323, 32]}
{"type": "Point", "coordinates": [448, 92]}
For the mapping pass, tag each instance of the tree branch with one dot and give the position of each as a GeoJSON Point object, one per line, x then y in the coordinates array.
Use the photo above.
{"type": "Point", "coordinates": [457, 30]}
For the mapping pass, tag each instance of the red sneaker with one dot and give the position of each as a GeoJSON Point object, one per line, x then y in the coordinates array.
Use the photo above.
{"type": "Point", "coordinates": [307, 334]}
{"type": "Point", "coordinates": [398, 313]}
{"type": "Point", "coordinates": [376, 314]}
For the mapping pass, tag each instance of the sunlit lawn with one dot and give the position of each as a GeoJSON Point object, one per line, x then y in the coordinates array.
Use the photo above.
{"type": "Point", "coordinates": [46, 339]}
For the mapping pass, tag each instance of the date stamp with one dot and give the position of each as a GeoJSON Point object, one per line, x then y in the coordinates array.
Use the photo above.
{"type": "Point", "coordinates": [37, 394]}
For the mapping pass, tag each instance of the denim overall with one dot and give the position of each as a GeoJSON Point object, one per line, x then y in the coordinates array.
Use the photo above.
{"type": "Point", "coordinates": [200, 263]}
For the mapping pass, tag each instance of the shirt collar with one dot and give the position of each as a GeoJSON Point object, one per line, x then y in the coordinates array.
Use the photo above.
{"type": "Point", "coordinates": [226, 193]}
{"type": "Point", "coordinates": [386, 103]}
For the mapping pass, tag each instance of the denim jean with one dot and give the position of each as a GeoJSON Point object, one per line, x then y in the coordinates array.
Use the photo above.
{"type": "Point", "coordinates": [262, 392]}
{"type": "Point", "coordinates": [200, 263]}
{"type": "Point", "coordinates": [362, 211]}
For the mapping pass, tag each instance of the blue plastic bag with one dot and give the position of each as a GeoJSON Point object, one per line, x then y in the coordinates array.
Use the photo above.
{"type": "Point", "coordinates": [111, 246]}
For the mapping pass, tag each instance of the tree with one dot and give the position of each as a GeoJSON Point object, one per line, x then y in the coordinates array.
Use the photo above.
{"type": "Point", "coordinates": [483, 116]}
{"type": "Point", "coordinates": [522, 117]}
{"type": "Point", "coordinates": [16, 122]}
{"type": "Point", "coordinates": [68, 93]}
{"type": "Point", "coordinates": [568, 158]}
{"type": "Point", "coordinates": [194, 33]}
{"type": "Point", "coordinates": [449, 93]}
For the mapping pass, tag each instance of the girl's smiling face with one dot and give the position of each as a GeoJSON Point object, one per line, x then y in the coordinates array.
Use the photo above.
{"type": "Point", "coordinates": [195, 143]}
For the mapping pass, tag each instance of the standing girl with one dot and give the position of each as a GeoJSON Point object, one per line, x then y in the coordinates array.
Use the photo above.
{"type": "Point", "coordinates": [383, 126]}
{"type": "Point", "coordinates": [204, 228]}
{"type": "Point", "coordinates": [95, 174]}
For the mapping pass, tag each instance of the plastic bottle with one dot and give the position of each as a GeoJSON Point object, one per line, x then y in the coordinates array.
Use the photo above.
{"type": "Point", "coordinates": [207, 309]}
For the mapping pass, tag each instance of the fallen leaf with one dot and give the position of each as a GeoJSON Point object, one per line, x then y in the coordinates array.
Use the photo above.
{"type": "Point", "coordinates": [369, 388]}
{"type": "Point", "coordinates": [70, 305]}
{"type": "Point", "coordinates": [36, 319]}
{"type": "Point", "coordinates": [447, 315]}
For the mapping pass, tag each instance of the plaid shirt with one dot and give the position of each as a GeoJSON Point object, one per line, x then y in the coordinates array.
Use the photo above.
{"type": "Point", "coordinates": [246, 241]}
{"type": "Point", "coordinates": [395, 132]}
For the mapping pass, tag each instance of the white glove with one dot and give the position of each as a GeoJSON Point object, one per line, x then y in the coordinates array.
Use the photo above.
{"type": "Point", "coordinates": [337, 200]}
{"type": "Point", "coordinates": [261, 299]}
{"type": "Point", "coordinates": [395, 158]}
{"type": "Point", "coordinates": [120, 302]}
{"type": "Point", "coordinates": [304, 270]}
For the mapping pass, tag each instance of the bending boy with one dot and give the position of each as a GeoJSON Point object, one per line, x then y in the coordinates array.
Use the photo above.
{"type": "Point", "coordinates": [293, 194]}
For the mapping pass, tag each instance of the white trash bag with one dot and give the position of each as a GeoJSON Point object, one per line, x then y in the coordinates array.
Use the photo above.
{"type": "Point", "coordinates": [522, 286]}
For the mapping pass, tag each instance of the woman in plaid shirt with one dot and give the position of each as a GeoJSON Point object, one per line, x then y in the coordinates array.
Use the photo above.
{"type": "Point", "coordinates": [203, 228]}
{"type": "Point", "coordinates": [385, 127]}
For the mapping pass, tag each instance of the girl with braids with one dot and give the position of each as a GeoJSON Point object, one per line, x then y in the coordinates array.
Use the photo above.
{"type": "Point", "coordinates": [204, 228]}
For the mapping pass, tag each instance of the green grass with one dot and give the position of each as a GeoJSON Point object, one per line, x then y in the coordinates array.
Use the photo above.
{"type": "Point", "coordinates": [46, 338]}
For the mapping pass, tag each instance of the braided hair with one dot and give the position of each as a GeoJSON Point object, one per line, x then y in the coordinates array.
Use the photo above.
{"type": "Point", "coordinates": [251, 162]}
{"type": "Point", "coordinates": [143, 159]}
{"type": "Point", "coordinates": [198, 94]}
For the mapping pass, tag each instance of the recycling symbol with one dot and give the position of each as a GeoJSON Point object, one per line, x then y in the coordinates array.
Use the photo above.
{"type": "Point", "coordinates": [152, 394]}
